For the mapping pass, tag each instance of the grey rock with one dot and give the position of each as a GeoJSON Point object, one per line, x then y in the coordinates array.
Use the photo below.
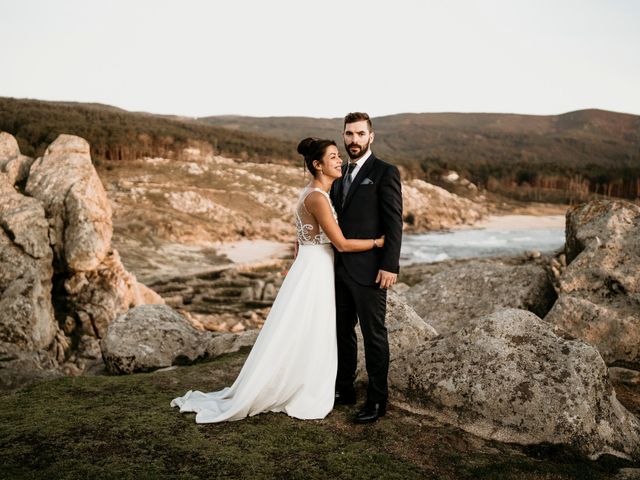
{"type": "Point", "coordinates": [510, 377]}
{"type": "Point", "coordinates": [628, 474]}
{"type": "Point", "coordinates": [155, 336]}
{"type": "Point", "coordinates": [12, 162]}
{"type": "Point", "coordinates": [30, 342]}
{"type": "Point", "coordinates": [449, 299]}
{"type": "Point", "coordinates": [599, 291]}
{"type": "Point", "coordinates": [625, 376]}
{"type": "Point", "coordinates": [405, 328]}
{"type": "Point", "coordinates": [26, 315]}
{"type": "Point", "coordinates": [97, 286]}
{"type": "Point", "coordinates": [66, 183]}
{"type": "Point", "coordinates": [20, 368]}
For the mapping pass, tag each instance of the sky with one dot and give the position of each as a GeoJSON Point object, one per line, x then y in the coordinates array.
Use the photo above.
{"type": "Point", "coordinates": [323, 59]}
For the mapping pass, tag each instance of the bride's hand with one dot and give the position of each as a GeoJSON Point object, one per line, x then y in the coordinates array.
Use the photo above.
{"type": "Point", "coordinates": [380, 242]}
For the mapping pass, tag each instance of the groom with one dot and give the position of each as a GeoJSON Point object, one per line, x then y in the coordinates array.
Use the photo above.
{"type": "Point", "coordinates": [368, 201]}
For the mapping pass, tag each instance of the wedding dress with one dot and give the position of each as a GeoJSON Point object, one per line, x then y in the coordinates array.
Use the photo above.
{"type": "Point", "coordinates": [292, 366]}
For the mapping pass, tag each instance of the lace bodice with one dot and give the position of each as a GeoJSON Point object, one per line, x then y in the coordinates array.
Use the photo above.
{"type": "Point", "coordinates": [308, 230]}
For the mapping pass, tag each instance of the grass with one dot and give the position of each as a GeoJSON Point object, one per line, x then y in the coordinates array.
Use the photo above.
{"type": "Point", "coordinates": [121, 427]}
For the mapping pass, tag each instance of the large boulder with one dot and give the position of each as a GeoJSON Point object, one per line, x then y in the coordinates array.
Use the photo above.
{"type": "Point", "coordinates": [155, 336]}
{"type": "Point", "coordinates": [27, 325]}
{"type": "Point", "coordinates": [450, 298]}
{"type": "Point", "coordinates": [96, 286]}
{"type": "Point", "coordinates": [21, 368]}
{"type": "Point", "coordinates": [599, 291]}
{"type": "Point", "coordinates": [510, 377]}
{"type": "Point", "coordinates": [99, 296]}
{"type": "Point", "coordinates": [77, 207]}
{"type": "Point", "coordinates": [61, 282]}
{"type": "Point", "coordinates": [405, 328]}
{"type": "Point", "coordinates": [12, 162]}
{"type": "Point", "coordinates": [26, 315]}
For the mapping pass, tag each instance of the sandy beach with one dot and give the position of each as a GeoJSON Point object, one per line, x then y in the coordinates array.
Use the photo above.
{"type": "Point", "coordinates": [252, 251]}
{"type": "Point", "coordinates": [518, 222]}
{"type": "Point", "coordinates": [256, 251]}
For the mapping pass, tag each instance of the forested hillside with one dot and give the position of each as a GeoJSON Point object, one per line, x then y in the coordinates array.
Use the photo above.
{"type": "Point", "coordinates": [116, 134]}
{"type": "Point", "coordinates": [556, 157]}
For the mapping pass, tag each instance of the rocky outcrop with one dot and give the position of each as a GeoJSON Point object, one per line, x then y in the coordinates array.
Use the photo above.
{"type": "Point", "coordinates": [510, 377]}
{"type": "Point", "coordinates": [67, 185]}
{"type": "Point", "coordinates": [226, 299]}
{"type": "Point", "coordinates": [12, 162]}
{"type": "Point", "coordinates": [28, 329]}
{"type": "Point", "coordinates": [449, 299]}
{"type": "Point", "coordinates": [99, 295]}
{"type": "Point", "coordinates": [428, 207]}
{"type": "Point", "coordinates": [405, 329]}
{"type": "Point", "coordinates": [97, 287]}
{"type": "Point", "coordinates": [61, 283]}
{"type": "Point", "coordinates": [155, 336]}
{"type": "Point", "coordinates": [25, 277]}
{"type": "Point", "coordinates": [599, 290]}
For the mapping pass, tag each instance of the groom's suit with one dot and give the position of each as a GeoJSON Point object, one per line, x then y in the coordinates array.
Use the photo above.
{"type": "Point", "coordinates": [372, 207]}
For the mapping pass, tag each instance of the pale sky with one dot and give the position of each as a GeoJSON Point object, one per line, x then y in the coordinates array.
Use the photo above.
{"type": "Point", "coordinates": [324, 58]}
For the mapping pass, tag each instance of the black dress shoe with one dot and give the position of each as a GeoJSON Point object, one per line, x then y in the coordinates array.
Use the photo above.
{"type": "Point", "coordinates": [345, 398]}
{"type": "Point", "coordinates": [370, 412]}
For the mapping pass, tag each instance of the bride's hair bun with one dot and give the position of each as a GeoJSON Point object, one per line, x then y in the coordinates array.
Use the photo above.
{"type": "Point", "coordinates": [306, 146]}
{"type": "Point", "coordinates": [312, 148]}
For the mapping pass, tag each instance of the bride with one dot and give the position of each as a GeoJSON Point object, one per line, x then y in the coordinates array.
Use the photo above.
{"type": "Point", "coordinates": [292, 366]}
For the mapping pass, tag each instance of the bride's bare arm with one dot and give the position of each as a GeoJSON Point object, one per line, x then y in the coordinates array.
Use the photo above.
{"type": "Point", "coordinates": [318, 206]}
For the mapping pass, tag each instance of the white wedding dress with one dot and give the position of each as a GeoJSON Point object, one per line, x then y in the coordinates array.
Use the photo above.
{"type": "Point", "coordinates": [292, 366]}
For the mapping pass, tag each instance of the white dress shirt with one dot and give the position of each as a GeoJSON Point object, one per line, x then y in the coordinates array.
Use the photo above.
{"type": "Point", "coordinates": [359, 163]}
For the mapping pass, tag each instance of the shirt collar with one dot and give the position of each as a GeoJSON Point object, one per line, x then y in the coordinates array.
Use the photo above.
{"type": "Point", "coordinates": [363, 158]}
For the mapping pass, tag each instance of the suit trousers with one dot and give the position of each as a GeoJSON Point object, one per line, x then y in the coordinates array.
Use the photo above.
{"type": "Point", "coordinates": [366, 305]}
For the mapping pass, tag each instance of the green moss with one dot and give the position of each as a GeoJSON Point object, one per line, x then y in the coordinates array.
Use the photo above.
{"type": "Point", "coordinates": [112, 427]}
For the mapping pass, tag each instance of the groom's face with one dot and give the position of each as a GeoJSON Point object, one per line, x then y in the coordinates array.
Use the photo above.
{"type": "Point", "coordinates": [357, 138]}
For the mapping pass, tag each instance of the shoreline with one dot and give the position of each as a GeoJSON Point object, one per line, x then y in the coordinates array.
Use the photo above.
{"type": "Point", "coordinates": [246, 252]}
{"type": "Point", "coordinates": [254, 251]}
{"type": "Point", "coordinates": [515, 222]}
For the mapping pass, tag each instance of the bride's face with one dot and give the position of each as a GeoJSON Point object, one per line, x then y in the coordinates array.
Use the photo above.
{"type": "Point", "coordinates": [331, 162]}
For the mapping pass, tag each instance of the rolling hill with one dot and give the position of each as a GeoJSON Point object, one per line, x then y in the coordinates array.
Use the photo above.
{"type": "Point", "coordinates": [116, 134]}
{"type": "Point", "coordinates": [555, 157]}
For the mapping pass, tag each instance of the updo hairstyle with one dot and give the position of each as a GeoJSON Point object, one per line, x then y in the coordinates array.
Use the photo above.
{"type": "Point", "coordinates": [313, 149]}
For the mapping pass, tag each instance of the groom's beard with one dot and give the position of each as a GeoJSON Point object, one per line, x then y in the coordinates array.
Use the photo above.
{"type": "Point", "coordinates": [359, 153]}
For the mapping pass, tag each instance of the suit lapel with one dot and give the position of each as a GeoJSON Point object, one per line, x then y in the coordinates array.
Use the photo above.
{"type": "Point", "coordinates": [362, 174]}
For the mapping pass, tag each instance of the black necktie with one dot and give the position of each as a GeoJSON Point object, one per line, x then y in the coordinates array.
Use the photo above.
{"type": "Point", "coordinates": [347, 181]}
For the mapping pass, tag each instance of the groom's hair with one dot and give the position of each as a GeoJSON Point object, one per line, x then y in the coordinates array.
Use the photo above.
{"type": "Point", "coordinates": [357, 117]}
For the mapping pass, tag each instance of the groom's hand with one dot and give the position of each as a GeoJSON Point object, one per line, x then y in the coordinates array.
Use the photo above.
{"type": "Point", "coordinates": [386, 279]}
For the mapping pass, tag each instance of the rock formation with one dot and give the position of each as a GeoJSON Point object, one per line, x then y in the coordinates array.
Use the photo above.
{"type": "Point", "coordinates": [97, 286]}
{"type": "Point", "coordinates": [75, 203]}
{"type": "Point", "coordinates": [510, 377]}
{"type": "Point", "coordinates": [463, 291]}
{"type": "Point", "coordinates": [12, 162]}
{"type": "Point", "coordinates": [405, 329]}
{"type": "Point", "coordinates": [28, 329]}
{"type": "Point", "coordinates": [599, 290]}
{"type": "Point", "coordinates": [61, 283]}
{"type": "Point", "coordinates": [155, 336]}
{"type": "Point", "coordinates": [428, 207]}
